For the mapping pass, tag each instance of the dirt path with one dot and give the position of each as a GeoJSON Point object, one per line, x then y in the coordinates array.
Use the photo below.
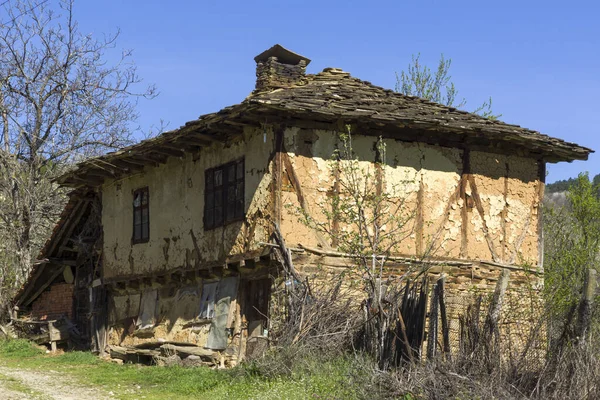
{"type": "Point", "coordinates": [20, 384]}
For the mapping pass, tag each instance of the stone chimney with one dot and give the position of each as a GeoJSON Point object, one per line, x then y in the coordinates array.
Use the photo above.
{"type": "Point", "coordinates": [279, 67]}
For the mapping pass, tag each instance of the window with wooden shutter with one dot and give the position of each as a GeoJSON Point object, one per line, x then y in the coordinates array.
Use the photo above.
{"type": "Point", "coordinates": [224, 194]}
{"type": "Point", "coordinates": [141, 216]}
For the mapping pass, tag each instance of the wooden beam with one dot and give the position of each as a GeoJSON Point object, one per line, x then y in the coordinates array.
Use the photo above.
{"type": "Point", "coordinates": [277, 175]}
{"type": "Point", "coordinates": [40, 269]}
{"type": "Point", "coordinates": [481, 211]}
{"type": "Point", "coordinates": [173, 146]}
{"type": "Point", "coordinates": [152, 159]}
{"type": "Point", "coordinates": [99, 174]}
{"type": "Point", "coordinates": [297, 185]}
{"type": "Point", "coordinates": [504, 214]}
{"type": "Point", "coordinates": [57, 238]}
{"type": "Point", "coordinates": [87, 180]}
{"type": "Point", "coordinates": [132, 160]}
{"type": "Point", "coordinates": [464, 211]}
{"type": "Point", "coordinates": [203, 136]}
{"type": "Point", "coordinates": [168, 152]}
{"type": "Point", "coordinates": [73, 223]}
{"type": "Point", "coordinates": [44, 285]}
{"type": "Point", "coordinates": [128, 166]}
{"type": "Point", "coordinates": [106, 166]}
{"type": "Point", "coordinates": [194, 140]}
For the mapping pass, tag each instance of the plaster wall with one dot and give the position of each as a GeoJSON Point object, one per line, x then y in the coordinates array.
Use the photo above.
{"type": "Point", "coordinates": [499, 209]}
{"type": "Point", "coordinates": [176, 204]}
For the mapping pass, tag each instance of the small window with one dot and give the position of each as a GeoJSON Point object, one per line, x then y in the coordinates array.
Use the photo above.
{"type": "Point", "coordinates": [224, 194]}
{"type": "Point", "coordinates": [141, 217]}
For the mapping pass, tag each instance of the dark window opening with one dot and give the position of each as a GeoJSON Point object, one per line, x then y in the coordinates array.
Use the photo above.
{"type": "Point", "coordinates": [224, 194]}
{"type": "Point", "coordinates": [141, 217]}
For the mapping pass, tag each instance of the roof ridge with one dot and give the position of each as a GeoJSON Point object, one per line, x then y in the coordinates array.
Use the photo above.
{"type": "Point", "coordinates": [451, 109]}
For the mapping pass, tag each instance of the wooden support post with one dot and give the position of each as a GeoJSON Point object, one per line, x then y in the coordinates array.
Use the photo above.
{"type": "Point", "coordinates": [433, 324]}
{"type": "Point", "coordinates": [496, 303]}
{"type": "Point", "coordinates": [54, 335]}
{"type": "Point", "coordinates": [464, 180]}
{"type": "Point", "coordinates": [277, 175]}
{"type": "Point", "coordinates": [444, 316]}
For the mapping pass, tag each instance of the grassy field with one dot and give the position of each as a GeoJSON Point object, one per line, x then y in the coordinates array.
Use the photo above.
{"type": "Point", "coordinates": [331, 379]}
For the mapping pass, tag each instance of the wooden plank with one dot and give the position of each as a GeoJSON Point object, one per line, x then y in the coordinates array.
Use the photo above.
{"type": "Point", "coordinates": [205, 354]}
{"type": "Point", "coordinates": [78, 210]}
{"type": "Point", "coordinates": [277, 175]}
{"type": "Point", "coordinates": [504, 214]}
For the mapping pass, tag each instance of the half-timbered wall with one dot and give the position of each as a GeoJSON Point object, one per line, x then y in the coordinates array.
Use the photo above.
{"type": "Point", "coordinates": [467, 204]}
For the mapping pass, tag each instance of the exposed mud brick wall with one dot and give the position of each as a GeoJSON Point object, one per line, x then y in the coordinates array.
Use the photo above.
{"type": "Point", "coordinates": [176, 189]}
{"type": "Point", "coordinates": [467, 205]}
{"type": "Point", "coordinates": [55, 302]}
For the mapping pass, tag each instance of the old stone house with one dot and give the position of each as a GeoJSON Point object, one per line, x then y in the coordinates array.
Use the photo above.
{"type": "Point", "coordinates": [171, 238]}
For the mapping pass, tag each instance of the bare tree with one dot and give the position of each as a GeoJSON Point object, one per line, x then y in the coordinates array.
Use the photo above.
{"type": "Point", "coordinates": [418, 80]}
{"type": "Point", "coordinates": [368, 219]}
{"type": "Point", "coordinates": [62, 99]}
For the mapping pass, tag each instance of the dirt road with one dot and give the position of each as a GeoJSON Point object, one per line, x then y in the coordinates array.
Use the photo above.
{"type": "Point", "coordinates": [20, 384]}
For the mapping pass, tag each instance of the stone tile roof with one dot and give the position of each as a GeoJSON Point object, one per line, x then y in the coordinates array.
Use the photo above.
{"type": "Point", "coordinates": [335, 94]}
{"type": "Point", "coordinates": [332, 96]}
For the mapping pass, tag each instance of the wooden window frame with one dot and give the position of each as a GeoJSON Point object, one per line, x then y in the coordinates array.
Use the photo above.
{"type": "Point", "coordinates": [229, 209]}
{"type": "Point", "coordinates": [144, 191]}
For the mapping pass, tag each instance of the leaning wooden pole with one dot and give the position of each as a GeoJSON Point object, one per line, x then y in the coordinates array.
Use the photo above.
{"type": "Point", "coordinates": [433, 323]}
{"type": "Point", "coordinates": [496, 304]}
{"type": "Point", "coordinates": [443, 316]}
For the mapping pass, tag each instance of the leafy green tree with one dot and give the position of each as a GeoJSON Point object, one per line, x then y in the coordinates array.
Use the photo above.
{"type": "Point", "coordinates": [419, 80]}
{"type": "Point", "coordinates": [571, 245]}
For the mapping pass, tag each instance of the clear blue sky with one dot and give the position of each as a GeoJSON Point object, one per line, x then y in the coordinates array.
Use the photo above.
{"type": "Point", "coordinates": [539, 60]}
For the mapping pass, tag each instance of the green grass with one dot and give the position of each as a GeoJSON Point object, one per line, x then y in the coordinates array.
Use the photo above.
{"type": "Point", "coordinates": [308, 379]}
{"type": "Point", "coordinates": [18, 348]}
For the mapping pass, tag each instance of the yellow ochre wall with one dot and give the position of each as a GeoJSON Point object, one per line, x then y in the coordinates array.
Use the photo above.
{"type": "Point", "coordinates": [508, 186]}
